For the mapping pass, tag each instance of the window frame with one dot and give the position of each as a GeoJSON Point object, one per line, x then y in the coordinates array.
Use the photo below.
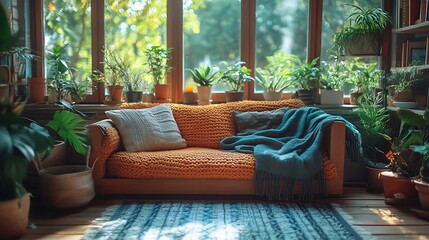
{"type": "Point", "coordinates": [175, 41]}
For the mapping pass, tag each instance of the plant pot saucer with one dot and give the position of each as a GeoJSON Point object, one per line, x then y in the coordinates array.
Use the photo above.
{"type": "Point", "coordinates": [421, 213]}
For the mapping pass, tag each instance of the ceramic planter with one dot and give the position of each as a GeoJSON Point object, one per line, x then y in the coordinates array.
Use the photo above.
{"type": "Point", "coordinates": [306, 95]}
{"type": "Point", "coordinates": [423, 190]}
{"type": "Point", "coordinates": [331, 97]}
{"type": "Point", "coordinates": [14, 217]}
{"type": "Point", "coordinates": [148, 97]}
{"type": "Point", "coordinates": [398, 190]}
{"type": "Point", "coordinates": [234, 96]}
{"type": "Point", "coordinates": [273, 96]}
{"type": "Point", "coordinates": [134, 96]}
{"type": "Point", "coordinates": [204, 95]}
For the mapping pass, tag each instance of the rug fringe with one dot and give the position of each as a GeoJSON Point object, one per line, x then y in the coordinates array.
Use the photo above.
{"type": "Point", "coordinates": [359, 230]}
{"type": "Point", "coordinates": [97, 223]}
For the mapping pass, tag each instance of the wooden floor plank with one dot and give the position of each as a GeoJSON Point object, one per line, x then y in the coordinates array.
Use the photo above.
{"type": "Point", "coordinates": [364, 210]}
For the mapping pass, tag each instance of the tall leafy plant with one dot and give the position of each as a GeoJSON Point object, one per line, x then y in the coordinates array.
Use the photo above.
{"type": "Point", "coordinates": [157, 57]}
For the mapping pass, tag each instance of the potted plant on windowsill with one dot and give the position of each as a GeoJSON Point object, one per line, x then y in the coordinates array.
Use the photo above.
{"type": "Point", "coordinates": [332, 78]}
{"type": "Point", "coordinates": [234, 77]}
{"type": "Point", "coordinates": [133, 82]}
{"type": "Point", "coordinates": [113, 64]}
{"type": "Point", "coordinates": [19, 144]}
{"type": "Point", "coordinates": [362, 33]}
{"type": "Point", "coordinates": [305, 76]}
{"type": "Point", "coordinates": [157, 57]}
{"type": "Point", "coordinates": [205, 77]}
{"type": "Point", "coordinates": [272, 83]}
{"type": "Point", "coordinates": [400, 83]}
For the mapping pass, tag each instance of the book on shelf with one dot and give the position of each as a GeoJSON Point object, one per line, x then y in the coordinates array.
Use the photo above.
{"type": "Point", "coordinates": [413, 12]}
{"type": "Point", "coordinates": [405, 20]}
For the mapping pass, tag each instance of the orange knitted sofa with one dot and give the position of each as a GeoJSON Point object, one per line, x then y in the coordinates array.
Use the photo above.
{"type": "Point", "coordinates": [201, 167]}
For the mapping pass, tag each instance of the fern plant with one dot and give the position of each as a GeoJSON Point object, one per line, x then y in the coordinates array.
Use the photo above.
{"type": "Point", "coordinates": [373, 125]}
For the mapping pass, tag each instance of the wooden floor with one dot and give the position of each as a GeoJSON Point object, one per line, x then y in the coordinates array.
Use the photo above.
{"type": "Point", "coordinates": [367, 211]}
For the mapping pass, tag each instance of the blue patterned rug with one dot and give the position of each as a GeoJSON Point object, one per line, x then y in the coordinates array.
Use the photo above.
{"type": "Point", "coordinates": [202, 220]}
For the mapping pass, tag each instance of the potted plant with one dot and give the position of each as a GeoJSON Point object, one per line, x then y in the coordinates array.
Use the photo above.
{"type": "Point", "coordinates": [234, 77]}
{"type": "Point", "coordinates": [332, 78]}
{"type": "Point", "coordinates": [59, 74]}
{"type": "Point", "coordinates": [19, 144]}
{"type": "Point", "coordinates": [205, 77]}
{"type": "Point", "coordinates": [373, 123]}
{"type": "Point", "coordinates": [405, 163]}
{"type": "Point", "coordinates": [157, 57]}
{"type": "Point", "coordinates": [134, 84]}
{"type": "Point", "coordinates": [362, 33]}
{"type": "Point", "coordinates": [272, 83]}
{"type": "Point", "coordinates": [305, 76]}
{"type": "Point", "coordinates": [400, 83]}
{"type": "Point", "coordinates": [66, 186]}
{"type": "Point", "coordinates": [421, 122]}
{"type": "Point", "coordinates": [364, 77]}
{"type": "Point", "coordinates": [114, 65]}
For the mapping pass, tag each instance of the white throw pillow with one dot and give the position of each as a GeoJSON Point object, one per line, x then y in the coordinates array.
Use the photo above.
{"type": "Point", "coordinates": [149, 129]}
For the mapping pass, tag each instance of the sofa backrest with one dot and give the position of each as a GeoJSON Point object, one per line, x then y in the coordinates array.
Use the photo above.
{"type": "Point", "coordinates": [207, 125]}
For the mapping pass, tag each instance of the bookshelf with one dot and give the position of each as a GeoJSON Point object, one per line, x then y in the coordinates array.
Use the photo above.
{"type": "Point", "coordinates": [410, 33]}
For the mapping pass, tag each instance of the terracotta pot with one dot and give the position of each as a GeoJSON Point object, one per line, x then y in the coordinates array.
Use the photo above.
{"type": "Point", "coordinates": [423, 190]}
{"type": "Point", "coordinates": [374, 184]}
{"type": "Point", "coordinates": [272, 96]}
{"type": "Point", "coordinates": [37, 89]}
{"type": "Point", "coordinates": [354, 96]}
{"type": "Point", "coordinates": [161, 91]}
{"type": "Point", "coordinates": [116, 93]}
{"type": "Point", "coordinates": [398, 190]}
{"type": "Point", "coordinates": [404, 96]}
{"type": "Point", "coordinates": [14, 217]}
{"type": "Point", "coordinates": [234, 96]}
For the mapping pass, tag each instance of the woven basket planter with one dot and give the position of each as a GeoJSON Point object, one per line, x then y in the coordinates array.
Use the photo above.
{"type": "Point", "coordinates": [68, 186]}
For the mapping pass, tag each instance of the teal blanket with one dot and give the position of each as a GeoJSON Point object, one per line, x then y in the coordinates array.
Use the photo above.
{"type": "Point", "coordinates": [291, 152]}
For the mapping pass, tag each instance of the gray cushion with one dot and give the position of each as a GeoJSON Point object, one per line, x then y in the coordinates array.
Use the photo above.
{"type": "Point", "coordinates": [250, 122]}
{"type": "Point", "coordinates": [149, 129]}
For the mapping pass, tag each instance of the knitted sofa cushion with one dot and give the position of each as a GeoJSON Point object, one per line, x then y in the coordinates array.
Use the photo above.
{"type": "Point", "coordinates": [206, 126]}
{"type": "Point", "coordinates": [148, 129]}
{"type": "Point", "coordinates": [190, 163]}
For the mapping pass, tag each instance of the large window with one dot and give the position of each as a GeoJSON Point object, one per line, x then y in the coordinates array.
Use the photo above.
{"type": "Point", "coordinates": [68, 26]}
{"type": "Point", "coordinates": [132, 26]}
{"type": "Point", "coordinates": [211, 32]}
{"type": "Point", "coordinates": [281, 29]}
{"type": "Point", "coordinates": [201, 32]}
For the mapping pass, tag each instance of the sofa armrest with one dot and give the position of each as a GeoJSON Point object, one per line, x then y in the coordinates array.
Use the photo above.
{"type": "Point", "coordinates": [335, 145]}
{"type": "Point", "coordinates": [104, 140]}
